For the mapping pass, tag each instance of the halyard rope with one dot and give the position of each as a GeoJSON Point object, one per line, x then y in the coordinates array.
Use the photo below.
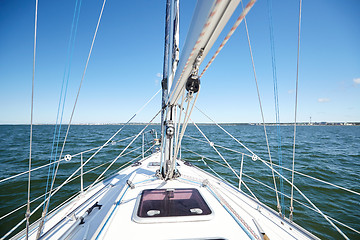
{"type": "Point", "coordinates": [296, 96]}
{"type": "Point", "coordinates": [63, 92]}
{"type": "Point", "coordinates": [70, 121]}
{"type": "Point", "coordinates": [276, 101]}
{"type": "Point", "coordinates": [262, 113]}
{"type": "Point", "coordinates": [27, 214]}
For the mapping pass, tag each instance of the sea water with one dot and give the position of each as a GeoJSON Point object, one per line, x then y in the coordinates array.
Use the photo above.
{"type": "Point", "coordinates": [328, 153]}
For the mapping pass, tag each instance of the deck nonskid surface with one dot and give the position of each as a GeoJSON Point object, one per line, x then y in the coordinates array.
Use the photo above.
{"type": "Point", "coordinates": [222, 224]}
{"type": "Point", "coordinates": [234, 215]}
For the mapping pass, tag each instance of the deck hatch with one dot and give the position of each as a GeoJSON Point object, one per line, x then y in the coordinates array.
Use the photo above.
{"type": "Point", "coordinates": [172, 203]}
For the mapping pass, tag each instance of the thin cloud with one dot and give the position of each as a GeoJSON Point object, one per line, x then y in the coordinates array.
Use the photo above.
{"type": "Point", "coordinates": [323, 100]}
{"type": "Point", "coordinates": [356, 81]}
{"type": "Point", "coordinates": [290, 91]}
{"type": "Point", "coordinates": [159, 75]}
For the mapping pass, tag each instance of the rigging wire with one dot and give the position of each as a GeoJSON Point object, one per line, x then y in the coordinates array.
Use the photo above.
{"type": "Point", "coordinates": [58, 188]}
{"type": "Point", "coordinates": [227, 133]}
{"type": "Point", "coordinates": [68, 181]}
{"type": "Point", "coordinates": [73, 155]}
{"type": "Point", "coordinates": [327, 218]}
{"type": "Point", "coordinates": [91, 170]}
{"type": "Point", "coordinates": [307, 199]}
{"type": "Point", "coordinates": [70, 121]}
{"type": "Point", "coordinates": [276, 101]}
{"type": "Point", "coordinates": [99, 148]}
{"type": "Point", "coordinates": [63, 94]}
{"type": "Point", "coordinates": [303, 204]}
{"type": "Point", "coordinates": [55, 191]}
{"type": "Point", "coordinates": [186, 120]}
{"type": "Point", "coordinates": [282, 167]}
{"type": "Point", "coordinates": [31, 125]}
{"type": "Point", "coordinates": [179, 120]}
{"type": "Point", "coordinates": [262, 114]}
{"type": "Point", "coordinates": [132, 141]}
{"type": "Point", "coordinates": [302, 194]}
{"type": "Point", "coordinates": [216, 145]}
{"type": "Point", "coordinates": [296, 97]}
{"type": "Point", "coordinates": [221, 156]}
{"type": "Point", "coordinates": [293, 186]}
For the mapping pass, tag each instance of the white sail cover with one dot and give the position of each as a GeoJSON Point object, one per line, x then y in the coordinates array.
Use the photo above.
{"type": "Point", "coordinates": [209, 19]}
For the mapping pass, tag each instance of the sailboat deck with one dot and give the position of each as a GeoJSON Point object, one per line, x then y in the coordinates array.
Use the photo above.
{"type": "Point", "coordinates": [109, 210]}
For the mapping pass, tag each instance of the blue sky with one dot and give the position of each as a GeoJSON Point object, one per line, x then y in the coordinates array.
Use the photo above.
{"type": "Point", "coordinates": [126, 64]}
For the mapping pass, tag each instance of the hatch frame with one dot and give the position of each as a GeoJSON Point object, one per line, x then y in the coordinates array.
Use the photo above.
{"type": "Point", "coordinates": [208, 215]}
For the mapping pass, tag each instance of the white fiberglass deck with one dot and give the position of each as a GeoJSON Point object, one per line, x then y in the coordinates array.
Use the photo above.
{"type": "Point", "coordinates": [234, 215]}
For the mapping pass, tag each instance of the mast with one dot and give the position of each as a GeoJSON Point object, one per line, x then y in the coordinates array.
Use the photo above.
{"type": "Point", "coordinates": [209, 19]}
{"type": "Point", "coordinates": [171, 59]}
{"type": "Point", "coordinates": [164, 82]}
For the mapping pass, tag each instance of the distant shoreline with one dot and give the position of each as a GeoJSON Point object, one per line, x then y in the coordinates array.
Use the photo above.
{"type": "Point", "coordinates": [210, 124]}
